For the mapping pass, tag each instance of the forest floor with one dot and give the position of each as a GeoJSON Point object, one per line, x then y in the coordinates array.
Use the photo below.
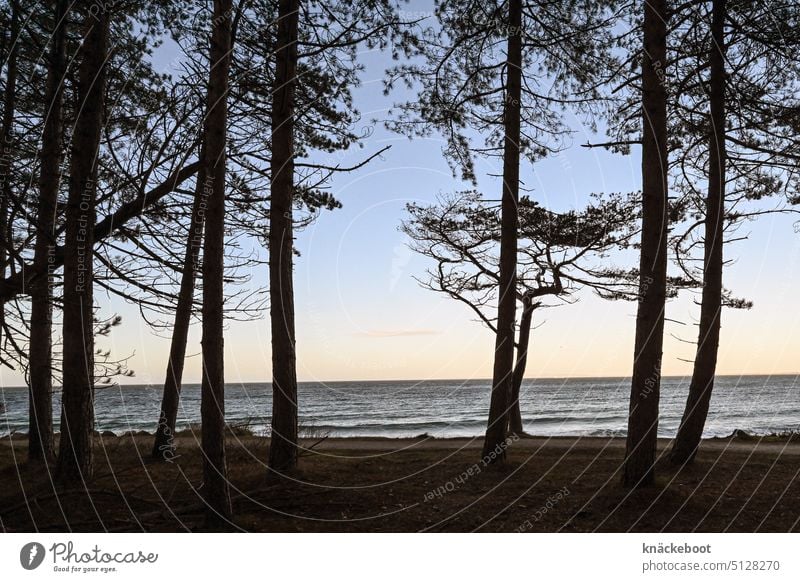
{"type": "Point", "coordinates": [423, 484]}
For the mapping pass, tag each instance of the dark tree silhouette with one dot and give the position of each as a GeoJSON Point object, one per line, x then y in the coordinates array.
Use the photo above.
{"type": "Point", "coordinates": [640, 451]}
{"type": "Point", "coordinates": [736, 107]}
{"type": "Point", "coordinates": [489, 71]}
{"type": "Point", "coordinates": [558, 253]}
{"type": "Point", "coordinates": [283, 443]}
{"type": "Point", "coordinates": [314, 55]}
{"type": "Point", "coordinates": [212, 408]}
{"type": "Point", "coordinates": [75, 458]}
{"type": "Point", "coordinates": [34, 270]}
{"type": "Point", "coordinates": [40, 433]}
{"type": "Point", "coordinates": [503, 369]}
{"type": "Point", "coordinates": [705, 363]}
{"type": "Point", "coordinates": [323, 125]}
{"type": "Point", "coordinates": [164, 442]}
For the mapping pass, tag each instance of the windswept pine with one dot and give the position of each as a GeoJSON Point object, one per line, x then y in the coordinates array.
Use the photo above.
{"type": "Point", "coordinates": [494, 90]}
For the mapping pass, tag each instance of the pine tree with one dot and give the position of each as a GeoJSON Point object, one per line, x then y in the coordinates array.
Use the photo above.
{"type": "Point", "coordinates": [736, 118]}
{"type": "Point", "coordinates": [40, 434]}
{"type": "Point", "coordinates": [212, 407]}
{"type": "Point", "coordinates": [558, 253]}
{"type": "Point", "coordinates": [75, 456]}
{"type": "Point", "coordinates": [640, 450]}
{"type": "Point", "coordinates": [491, 70]}
{"type": "Point", "coordinates": [283, 442]}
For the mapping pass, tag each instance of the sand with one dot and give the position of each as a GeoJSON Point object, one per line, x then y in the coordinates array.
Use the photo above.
{"type": "Point", "coordinates": [423, 484]}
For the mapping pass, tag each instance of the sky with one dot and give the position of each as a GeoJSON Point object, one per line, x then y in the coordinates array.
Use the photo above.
{"type": "Point", "coordinates": [362, 316]}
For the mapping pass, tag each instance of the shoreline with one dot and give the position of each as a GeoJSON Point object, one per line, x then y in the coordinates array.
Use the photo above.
{"type": "Point", "coordinates": [429, 441]}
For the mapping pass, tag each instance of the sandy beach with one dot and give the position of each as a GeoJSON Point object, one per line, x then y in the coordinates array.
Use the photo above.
{"type": "Point", "coordinates": [423, 484]}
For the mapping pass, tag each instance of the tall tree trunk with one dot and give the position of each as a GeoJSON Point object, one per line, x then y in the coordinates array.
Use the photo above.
{"type": "Point", "coordinates": [494, 441]}
{"type": "Point", "coordinates": [7, 149]}
{"type": "Point", "coordinates": [75, 444]}
{"type": "Point", "coordinates": [40, 432]}
{"type": "Point", "coordinates": [515, 414]}
{"type": "Point", "coordinates": [164, 445]}
{"type": "Point", "coordinates": [640, 452]}
{"type": "Point", "coordinates": [212, 408]}
{"type": "Point", "coordinates": [283, 442]}
{"type": "Point", "coordinates": [705, 362]}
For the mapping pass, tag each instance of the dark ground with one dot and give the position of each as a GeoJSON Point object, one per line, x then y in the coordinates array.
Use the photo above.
{"type": "Point", "coordinates": [377, 485]}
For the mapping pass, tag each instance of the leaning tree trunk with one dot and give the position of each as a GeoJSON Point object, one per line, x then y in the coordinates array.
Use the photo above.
{"type": "Point", "coordinates": [494, 441]}
{"type": "Point", "coordinates": [40, 432]}
{"type": "Point", "coordinates": [212, 407]}
{"type": "Point", "coordinates": [164, 445]}
{"type": "Point", "coordinates": [283, 442]}
{"type": "Point", "coordinates": [705, 362]}
{"type": "Point", "coordinates": [25, 276]}
{"type": "Point", "coordinates": [7, 149]}
{"type": "Point", "coordinates": [75, 444]}
{"type": "Point", "coordinates": [640, 451]}
{"type": "Point", "coordinates": [523, 341]}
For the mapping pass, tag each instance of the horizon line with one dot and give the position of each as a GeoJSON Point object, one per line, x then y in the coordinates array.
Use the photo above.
{"type": "Point", "coordinates": [132, 384]}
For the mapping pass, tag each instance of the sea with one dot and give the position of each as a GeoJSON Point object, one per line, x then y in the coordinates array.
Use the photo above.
{"type": "Point", "coordinates": [445, 408]}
